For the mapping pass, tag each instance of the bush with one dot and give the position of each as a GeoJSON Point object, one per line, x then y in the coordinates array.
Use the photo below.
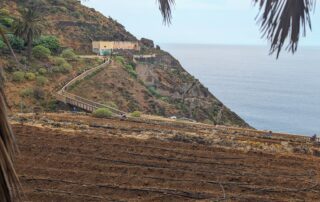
{"type": "Point", "coordinates": [59, 61]}
{"type": "Point", "coordinates": [120, 59]}
{"type": "Point", "coordinates": [154, 91]}
{"type": "Point", "coordinates": [38, 93]}
{"type": "Point", "coordinates": [65, 68]}
{"type": "Point", "coordinates": [112, 104]}
{"type": "Point", "coordinates": [41, 80]}
{"type": "Point", "coordinates": [50, 42]}
{"type": "Point", "coordinates": [136, 114]}
{"type": "Point", "coordinates": [6, 21]}
{"type": "Point", "coordinates": [23, 60]}
{"type": "Point", "coordinates": [28, 92]}
{"type": "Point", "coordinates": [42, 71]}
{"type": "Point", "coordinates": [16, 42]}
{"type": "Point", "coordinates": [131, 70]}
{"type": "Point", "coordinates": [41, 52]}
{"type": "Point", "coordinates": [18, 76]}
{"type": "Point", "coordinates": [68, 54]}
{"type": "Point", "coordinates": [30, 76]}
{"type": "Point", "coordinates": [56, 69]}
{"type": "Point", "coordinates": [102, 113]}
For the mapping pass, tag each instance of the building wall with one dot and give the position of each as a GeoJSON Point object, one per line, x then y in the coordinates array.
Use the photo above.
{"type": "Point", "coordinates": [102, 46]}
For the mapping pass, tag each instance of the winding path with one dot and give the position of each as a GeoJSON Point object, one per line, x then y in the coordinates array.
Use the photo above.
{"type": "Point", "coordinates": [88, 105]}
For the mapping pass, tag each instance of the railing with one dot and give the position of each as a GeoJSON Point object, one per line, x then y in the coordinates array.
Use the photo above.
{"type": "Point", "coordinates": [88, 105]}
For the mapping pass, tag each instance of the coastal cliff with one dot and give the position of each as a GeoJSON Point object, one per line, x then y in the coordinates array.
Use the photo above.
{"type": "Point", "coordinates": [160, 86]}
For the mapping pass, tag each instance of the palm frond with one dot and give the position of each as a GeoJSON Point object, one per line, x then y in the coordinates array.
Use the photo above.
{"type": "Point", "coordinates": [165, 8]}
{"type": "Point", "coordinates": [9, 182]}
{"type": "Point", "coordinates": [283, 20]}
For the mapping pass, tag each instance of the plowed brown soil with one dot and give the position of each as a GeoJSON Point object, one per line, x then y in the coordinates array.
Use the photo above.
{"type": "Point", "coordinates": [112, 160]}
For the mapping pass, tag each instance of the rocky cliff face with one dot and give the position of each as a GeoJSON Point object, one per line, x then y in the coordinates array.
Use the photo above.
{"type": "Point", "coordinates": [184, 92]}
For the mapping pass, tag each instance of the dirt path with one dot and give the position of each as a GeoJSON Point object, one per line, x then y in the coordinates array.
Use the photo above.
{"type": "Point", "coordinates": [112, 164]}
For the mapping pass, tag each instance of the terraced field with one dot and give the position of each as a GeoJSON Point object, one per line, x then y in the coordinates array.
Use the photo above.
{"type": "Point", "coordinates": [77, 158]}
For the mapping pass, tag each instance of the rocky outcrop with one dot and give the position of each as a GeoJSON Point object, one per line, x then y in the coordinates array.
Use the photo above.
{"type": "Point", "coordinates": [148, 43]}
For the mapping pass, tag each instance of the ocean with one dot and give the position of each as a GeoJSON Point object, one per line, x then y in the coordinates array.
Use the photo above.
{"type": "Point", "coordinates": [279, 95]}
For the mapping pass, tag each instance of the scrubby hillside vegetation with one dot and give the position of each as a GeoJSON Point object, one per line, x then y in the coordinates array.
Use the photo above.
{"type": "Point", "coordinates": [160, 86]}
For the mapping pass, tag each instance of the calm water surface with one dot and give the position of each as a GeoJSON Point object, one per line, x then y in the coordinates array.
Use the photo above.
{"type": "Point", "coordinates": [280, 95]}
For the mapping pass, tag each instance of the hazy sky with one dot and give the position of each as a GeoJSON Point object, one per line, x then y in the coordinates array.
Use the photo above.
{"type": "Point", "coordinates": [195, 21]}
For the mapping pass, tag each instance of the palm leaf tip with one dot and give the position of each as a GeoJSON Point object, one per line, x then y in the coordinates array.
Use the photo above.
{"type": "Point", "coordinates": [283, 20]}
{"type": "Point", "coordinates": [166, 11]}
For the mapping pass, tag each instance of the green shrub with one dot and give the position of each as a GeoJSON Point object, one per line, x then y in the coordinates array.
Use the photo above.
{"type": "Point", "coordinates": [131, 70]}
{"type": "Point", "coordinates": [38, 94]}
{"type": "Point", "coordinates": [59, 61]}
{"type": "Point", "coordinates": [28, 92]}
{"type": "Point", "coordinates": [23, 60]}
{"type": "Point", "coordinates": [136, 114]}
{"type": "Point", "coordinates": [68, 54]}
{"type": "Point", "coordinates": [15, 42]}
{"type": "Point", "coordinates": [102, 113]}
{"type": "Point", "coordinates": [30, 76]}
{"type": "Point", "coordinates": [41, 52]}
{"type": "Point", "coordinates": [4, 12]}
{"type": "Point", "coordinates": [112, 104]}
{"type": "Point", "coordinates": [42, 71]}
{"type": "Point", "coordinates": [154, 91]}
{"type": "Point", "coordinates": [41, 80]}
{"type": "Point", "coordinates": [65, 68]}
{"type": "Point", "coordinates": [6, 21]}
{"type": "Point", "coordinates": [18, 76]}
{"type": "Point", "coordinates": [120, 59]}
{"type": "Point", "coordinates": [50, 42]}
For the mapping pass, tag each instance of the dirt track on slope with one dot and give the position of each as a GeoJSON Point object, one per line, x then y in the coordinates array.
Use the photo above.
{"type": "Point", "coordinates": [106, 164]}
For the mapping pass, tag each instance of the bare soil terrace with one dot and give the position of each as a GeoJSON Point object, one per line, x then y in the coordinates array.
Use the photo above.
{"type": "Point", "coordinates": [67, 157]}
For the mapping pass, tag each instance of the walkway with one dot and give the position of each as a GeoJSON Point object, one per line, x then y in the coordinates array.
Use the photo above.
{"type": "Point", "coordinates": [80, 102]}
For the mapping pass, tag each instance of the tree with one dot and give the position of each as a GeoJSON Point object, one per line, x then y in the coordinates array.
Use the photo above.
{"type": "Point", "coordinates": [29, 27]}
{"type": "Point", "coordinates": [280, 20]}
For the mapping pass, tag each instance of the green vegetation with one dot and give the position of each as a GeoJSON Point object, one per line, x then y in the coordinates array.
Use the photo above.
{"type": "Point", "coordinates": [120, 59]}
{"type": "Point", "coordinates": [102, 113]}
{"type": "Point", "coordinates": [42, 71]}
{"type": "Point", "coordinates": [112, 104]}
{"type": "Point", "coordinates": [128, 66]}
{"type": "Point", "coordinates": [59, 61]}
{"type": "Point", "coordinates": [18, 76]}
{"type": "Point", "coordinates": [30, 76]}
{"type": "Point", "coordinates": [41, 80]}
{"type": "Point", "coordinates": [69, 54]}
{"type": "Point", "coordinates": [16, 42]}
{"type": "Point", "coordinates": [28, 92]}
{"type": "Point", "coordinates": [38, 93]}
{"type": "Point", "coordinates": [136, 114]}
{"type": "Point", "coordinates": [50, 42]}
{"type": "Point", "coordinates": [153, 91]}
{"type": "Point", "coordinates": [40, 52]}
{"type": "Point", "coordinates": [29, 27]}
{"type": "Point", "coordinates": [131, 70]}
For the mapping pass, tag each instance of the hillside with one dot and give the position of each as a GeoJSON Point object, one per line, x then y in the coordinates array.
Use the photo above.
{"type": "Point", "coordinates": [69, 157]}
{"type": "Point", "coordinates": [159, 87]}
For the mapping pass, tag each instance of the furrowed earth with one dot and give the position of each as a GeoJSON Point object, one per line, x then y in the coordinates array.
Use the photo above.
{"type": "Point", "coordinates": [74, 157]}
